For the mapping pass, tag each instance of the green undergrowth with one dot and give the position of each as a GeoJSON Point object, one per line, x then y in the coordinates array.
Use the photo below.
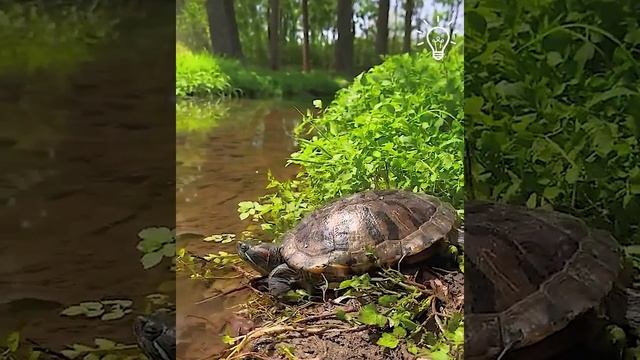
{"type": "Point", "coordinates": [201, 74]}
{"type": "Point", "coordinates": [399, 125]}
{"type": "Point", "coordinates": [56, 39]}
{"type": "Point", "coordinates": [552, 108]}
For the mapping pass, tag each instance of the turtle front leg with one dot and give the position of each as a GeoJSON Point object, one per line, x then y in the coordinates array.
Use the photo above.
{"type": "Point", "coordinates": [281, 280]}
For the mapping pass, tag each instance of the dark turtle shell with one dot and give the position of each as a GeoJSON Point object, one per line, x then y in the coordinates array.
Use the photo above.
{"type": "Point", "coordinates": [354, 234]}
{"type": "Point", "coordinates": [529, 273]}
{"type": "Point", "coordinates": [156, 335]}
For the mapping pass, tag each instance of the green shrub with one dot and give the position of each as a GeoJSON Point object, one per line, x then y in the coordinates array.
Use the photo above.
{"type": "Point", "coordinates": [198, 74]}
{"type": "Point", "coordinates": [552, 108]}
{"type": "Point", "coordinates": [397, 126]}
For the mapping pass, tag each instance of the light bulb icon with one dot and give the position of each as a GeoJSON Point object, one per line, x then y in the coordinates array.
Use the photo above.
{"type": "Point", "coordinates": [438, 39]}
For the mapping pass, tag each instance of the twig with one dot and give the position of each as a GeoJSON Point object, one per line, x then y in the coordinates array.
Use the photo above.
{"type": "Point", "coordinates": [222, 294]}
{"type": "Point", "coordinates": [435, 315]}
{"type": "Point", "coordinates": [325, 315]}
{"type": "Point", "coordinates": [278, 329]}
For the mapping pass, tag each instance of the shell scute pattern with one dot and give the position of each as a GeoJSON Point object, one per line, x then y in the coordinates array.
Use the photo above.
{"type": "Point", "coordinates": [346, 236]}
{"type": "Point", "coordinates": [530, 273]}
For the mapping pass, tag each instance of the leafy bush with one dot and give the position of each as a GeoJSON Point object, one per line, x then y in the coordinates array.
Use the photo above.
{"type": "Point", "coordinates": [397, 126]}
{"type": "Point", "coordinates": [201, 74]}
{"type": "Point", "coordinates": [552, 108]}
{"type": "Point", "coordinates": [198, 74]}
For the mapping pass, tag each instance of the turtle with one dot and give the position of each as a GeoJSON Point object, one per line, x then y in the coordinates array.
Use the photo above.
{"type": "Point", "coordinates": [354, 235]}
{"type": "Point", "coordinates": [156, 334]}
{"type": "Point", "coordinates": [534, 279]}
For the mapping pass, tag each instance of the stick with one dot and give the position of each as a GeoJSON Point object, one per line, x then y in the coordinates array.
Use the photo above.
{"type": "Point", "coordinates": [222, 294]}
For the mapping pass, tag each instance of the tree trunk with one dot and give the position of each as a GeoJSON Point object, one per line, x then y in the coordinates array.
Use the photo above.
{"type": "Point", "coordinates": [408, 15]}
{"type": "Point", "coordinates": [225, 40]}
{"type": "Point", "coordinates": [306, 66]}
{"type": "Point", "coordinates": [274, 39]}
{"type": "Point", "coordinates": [344, 43]}
{"type": "Point", "coordinates": [382, 26]}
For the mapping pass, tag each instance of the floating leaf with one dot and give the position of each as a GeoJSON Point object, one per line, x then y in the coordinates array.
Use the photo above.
{"type": "Point", "coordinates": [13, 341]}
{"type": "Point", "coordinates": [104, 343]}
{"type": "Point", "coordinates": [151, 259]}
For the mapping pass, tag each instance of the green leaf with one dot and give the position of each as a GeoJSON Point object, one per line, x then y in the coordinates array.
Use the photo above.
{"type": "Point", "coordinates": [317, 103]}
{"type": "Point", "coordinates": [399, 332]}
{"type": "Point", "coordinates": [73, 310]}
{"type": "Point", "coordinates": [554, 58]}
{"type": "Point", "coordinates": [473, 105]}
{"type": "Point", "coordinates": [169, 250]}
{"type": "Point", "coordinates": [370, 316]}
{"type": "Point", "coordinates": [551, 192]}
{"type": "Point", "coordinates": [615, 92]}
{"type": "Point", "coordinates": [104, 343]}
{"type": "Point", "coordinates": [13, 341]}
{"type": "Point", "coordinates": [533, 201]}
{"type": "Point", "coordinates": [341, 314]}
{"type": "Point", "coordinates": [572, 175]}
{"type": "Point", "coordinates": [151, 259]}
{"type": "Point", "coordinates": [388, 340]}
{"type": "Point", "coordinates": [387, 300]}
{"type": "Point", "coordinates": [228, 340]}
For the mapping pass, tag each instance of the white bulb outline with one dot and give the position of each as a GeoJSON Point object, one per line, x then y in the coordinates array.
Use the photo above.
{"type": "Point", "coordinates": [437, 54]}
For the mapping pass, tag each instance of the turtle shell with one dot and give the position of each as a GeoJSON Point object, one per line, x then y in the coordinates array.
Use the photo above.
{"type": "Point", "coordinates": [357, 233]}
{"type": "Point", "coordinates": [529, 273]}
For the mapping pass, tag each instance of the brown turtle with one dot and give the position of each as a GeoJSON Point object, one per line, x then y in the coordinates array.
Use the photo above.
{"type": "Point", "coordinates": [354, 235]}
{"type": "Point", "coordinates": [530, 276]}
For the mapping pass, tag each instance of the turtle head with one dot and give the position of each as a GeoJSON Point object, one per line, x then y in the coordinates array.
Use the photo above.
{"type": "Point", "coordinates": [263, 257]}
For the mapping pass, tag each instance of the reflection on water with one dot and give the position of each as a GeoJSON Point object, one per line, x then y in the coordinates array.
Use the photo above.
{"type": "Point", "coordinates": [216, 168]}
{"type": "Point", "coordinates": [86, 162]}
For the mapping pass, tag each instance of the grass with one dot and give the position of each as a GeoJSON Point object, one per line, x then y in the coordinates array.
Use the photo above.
{"type": "Point", "coordinates": [201, 74]}
{"type": "Point", "coordinates": [36, 39]}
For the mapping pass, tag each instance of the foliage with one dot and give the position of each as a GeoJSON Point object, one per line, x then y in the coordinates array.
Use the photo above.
{"type": "Point", "coordinates": [252, 20]}
{"type": "Point", "coordinates": [398, 307]}
{"type": "Point", "coordinates": [156, 243]}
{"type": "Point", "coordinates": [105, 309]}
{"type": "Point", "coordinates": [198, 73]}
{"type": "Point", "coordinates": [35, 37]}
{"type": "Point", "coordinates": [553, 121]}
{"type": "Point", "coordinates": [192, 25]}
{"type": "Point", "coordinates": [397, 126]}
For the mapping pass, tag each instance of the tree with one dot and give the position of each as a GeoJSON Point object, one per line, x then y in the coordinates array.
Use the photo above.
{"type": "Point", "coordinates": [408, 15]}
{"type": "Point", "coordinates": [274, 39]}
{"type": "Point", "coordinates": [344, 43]}
{"type": "Point", "coordinates": [306, 66]}
{"type": "Point", "coordinates": [223, 28]}
{"type": "Point", "coordinates": [382, 27]}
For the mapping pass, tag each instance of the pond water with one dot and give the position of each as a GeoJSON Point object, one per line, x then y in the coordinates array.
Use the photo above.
{"type": "Point", "coordinates": [222, 158]}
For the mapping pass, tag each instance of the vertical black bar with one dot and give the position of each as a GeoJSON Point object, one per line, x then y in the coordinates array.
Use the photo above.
{"type": "Point", "coordinates": [87, 154]}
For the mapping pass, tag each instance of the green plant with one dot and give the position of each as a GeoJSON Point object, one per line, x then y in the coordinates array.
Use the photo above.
{"type": "Point", "coordinates": [399, 308]}
{"type": "Point", "coordinates": [36, 37]}
{"type": "Point", "coordinates": [551, 108]}
{"type": "Point", "coordinates": [397, 126]}
{"type": "Point", "coordinates": [198, 73]}
{"type": "Point", "coordinates": [156, 243]}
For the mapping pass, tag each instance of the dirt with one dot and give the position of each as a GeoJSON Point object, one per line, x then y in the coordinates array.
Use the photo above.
{"type": "Point", "coordinates": [339, 340]}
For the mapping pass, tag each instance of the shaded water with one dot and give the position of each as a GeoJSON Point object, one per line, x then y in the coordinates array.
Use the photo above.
{"type": "Point", "coordinates": [84, 168]}
{"type": "Point", "coordinates": [217, 167]}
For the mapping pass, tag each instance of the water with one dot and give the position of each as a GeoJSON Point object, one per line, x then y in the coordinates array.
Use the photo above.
{"type": "Point", "coordinates": [87, 162]}
{"type": "Point", "coordinates": [218, 166]}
